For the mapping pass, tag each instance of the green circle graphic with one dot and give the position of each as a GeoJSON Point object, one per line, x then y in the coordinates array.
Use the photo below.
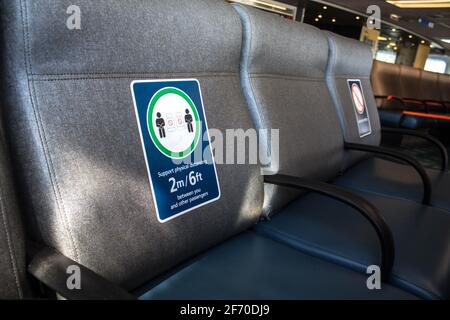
{"type": "Point", "coordinates": [158, 95]}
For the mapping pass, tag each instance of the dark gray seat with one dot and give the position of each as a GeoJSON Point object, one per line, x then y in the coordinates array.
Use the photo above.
{"type": "Point", "coordinates": [13, 282]}
{"type": "Point", "coordinates": [372, 174]}
{"type": "Point", "coordinates": [228, 272]}
{"type": "Point", "coordinates": [396, 180]}
{"type": "Point", "coordinates": [283, 75]}
{"type": "Point", "coordinates": [323, 227]}
{"type": "Point", "coordinates": [83, 176]}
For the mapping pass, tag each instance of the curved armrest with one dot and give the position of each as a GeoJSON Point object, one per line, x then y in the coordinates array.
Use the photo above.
{"type": "Point", "coordinates": [51, 268]}
{"type": "Point", "coordinates": [429, 138]}
{"type": "Point", "coordinates": [402, 157]}
{"type": "Point", "coordinates": [358, 203]}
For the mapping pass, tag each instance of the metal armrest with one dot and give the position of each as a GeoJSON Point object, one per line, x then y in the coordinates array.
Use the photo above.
{"type": "Point", "coordinates": [429, 138]}
{"type": "Point", "coordinates": [364, 207]}
{"type": "Point", "coordinates": [402, 157]}
{"type": "Point", "coordinates": [50, 267]}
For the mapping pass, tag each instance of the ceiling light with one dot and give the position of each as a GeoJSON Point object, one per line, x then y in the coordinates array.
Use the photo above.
{"type": "Point", "coordinates": [445, 40]}
{"type": "Point", "coordinates": [316, 19]}
{"type": "Point", "coordinates": [382, 38]}
{"type": "Point", "coordinates": [410, 36]}
{"type": "Point", "coordinates": [395, 17]}
{"type": "Point", "coordinates": [325, 7]}
{"type": "Point", "coordinates": [420, 4]}
{"type": "Point", "coordinates": [319, 16]}
{"type": "Point", "coordinates": [422, 42]}
{"type": "Point", "coordinates": [392, 44]}
{"type": "Point", "coordinates": [270, 5]}
{"type": "Point", "coordinates": [395, 48]}
{"type": "Point", "coordinates": [333, 20]}
{"type": "Point", "coordinates": [393, 29]}
{"type": "Point", "coordinates": [358, 17]}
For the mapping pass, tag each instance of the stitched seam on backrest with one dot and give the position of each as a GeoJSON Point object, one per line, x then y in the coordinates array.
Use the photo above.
{"type": "Point", "coordinates": [12, 257]}
{"type": "Point", "coordinates": [41, 132]}
{"type": "Point", "coordinates": [332, 85]}
{"type": "Point", "coordinates": [245, 77]}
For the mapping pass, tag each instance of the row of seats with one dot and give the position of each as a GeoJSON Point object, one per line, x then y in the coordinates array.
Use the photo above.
{"type": "Point", "coordinates": [82, 178]}
{"type": "Point", "coordinates": [408, 88]}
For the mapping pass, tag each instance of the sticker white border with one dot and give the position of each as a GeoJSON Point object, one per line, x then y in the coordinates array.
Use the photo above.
{"type": "Point", "coordinates": [365, 106]}
{"type": "Point", "coordinates": [145, 152]}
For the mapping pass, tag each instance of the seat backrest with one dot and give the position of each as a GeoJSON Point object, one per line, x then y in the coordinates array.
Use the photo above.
{"type": "Point", "coordinates": [283, 76]}
{"type": "Point", "coordinates": [12, 236]}
{"type": "Point", "coordinates": [409, 82]}
{"type": "Point", "coordinates": [76, 140]}
{"type": "Point", "coordinates": [385, 78]}
{"type": "Point", "coordinates": [348, 79]}
{"type": "Point", "coordinates": [444, 87]}
{"type": "Point", "coordinates": [429, 86]}
{"type": "Point", "coordinates": [430, 91]}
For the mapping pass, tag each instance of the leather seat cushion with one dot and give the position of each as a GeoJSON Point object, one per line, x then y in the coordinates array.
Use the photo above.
{"type": "Point", "coordinates": [329, 229]}
{"type": "Point", "coordinates": [389, 178]}
{"type": "Point", "coordinates": [250, 266]}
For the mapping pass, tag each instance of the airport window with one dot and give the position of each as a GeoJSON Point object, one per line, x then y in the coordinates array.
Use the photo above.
{"type": "Point", "coordinates": [436, 65]}
{"type": "Point", "coordinates": [386, 56]}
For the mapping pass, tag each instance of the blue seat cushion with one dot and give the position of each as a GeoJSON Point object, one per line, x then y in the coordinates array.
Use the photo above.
{"type": "Point", "coordinates": [326, 228]}
{"type": "Point", "coordinates": [393, 179]}
{"type": "Point", "coordinates": [250, 266]}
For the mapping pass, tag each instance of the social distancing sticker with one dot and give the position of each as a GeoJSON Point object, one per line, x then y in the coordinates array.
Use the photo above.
{"type": "Point", "coordinates": [359, 103]}
{"type": "Point", "coordinates": [177, 146]}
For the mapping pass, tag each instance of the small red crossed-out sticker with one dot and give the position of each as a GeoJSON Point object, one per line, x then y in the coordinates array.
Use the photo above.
{"type": "Point", "coordinates": [358, 98]}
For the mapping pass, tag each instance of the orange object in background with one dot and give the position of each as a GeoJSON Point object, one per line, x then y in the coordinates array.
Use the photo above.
{"type": "Point", "coordinates": [426, 115]}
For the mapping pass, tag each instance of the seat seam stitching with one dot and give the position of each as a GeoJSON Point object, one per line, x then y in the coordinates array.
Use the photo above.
{"type": "Point", "coordinates": [114, 78]}
{"type": "Point", "coordinates": [285, 77]}
{"type": "Point", "coordinates": [12, 257]}
{"type": "Point", "coordinates": [44, 145]}
{"type": "Point", "coordinates": [127, 73]}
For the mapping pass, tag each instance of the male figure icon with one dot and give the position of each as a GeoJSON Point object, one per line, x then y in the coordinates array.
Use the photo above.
{"type": "Point", "coordinates": [188, 118]}
{"type": "Point", "coordinates": [160, 123]}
